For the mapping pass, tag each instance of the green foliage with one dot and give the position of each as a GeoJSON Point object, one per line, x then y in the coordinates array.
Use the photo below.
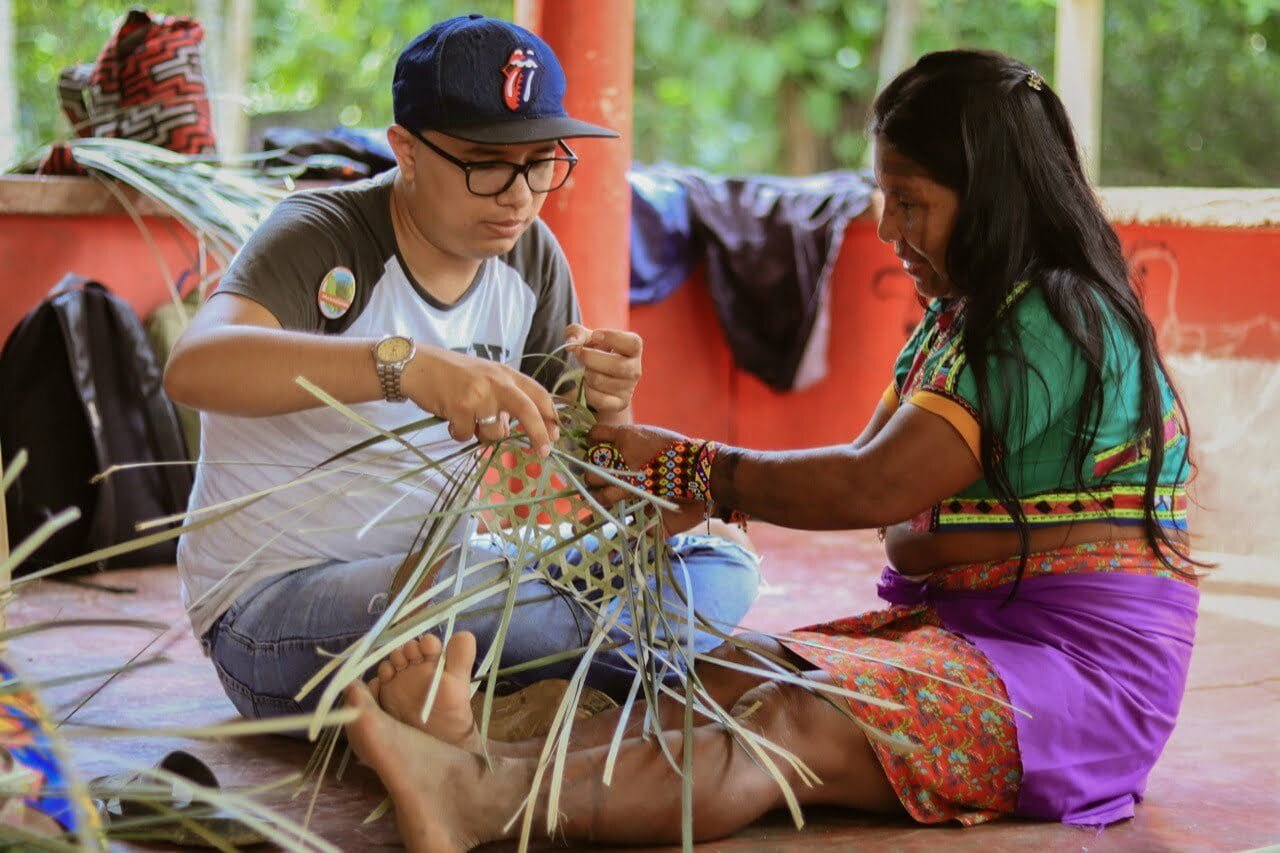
{"type": "Point", "coordinates": [708, 79]}
{"type": "Point", "coordinates": [317, 63]}
{"type": "Point", "coordinates": [1191, 89]}
{"type": "Point", "coordinates": [1194, 98]}
{"type": "Point", "coordinates": [1021, 28]}
{"type": "Point", "coordinates": [321, 63]}
{"type": "Point", "coordinates": [48, 41]}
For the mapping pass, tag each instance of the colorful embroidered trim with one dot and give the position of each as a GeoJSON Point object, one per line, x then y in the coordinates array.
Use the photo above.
{"type": "Point", "coordinates": [1119, 504]}
{"type": "Point", "coordinates": [681, 471]}
{"type": "Point", "coordinates": [1131, 557]}
{"type": "Point", "coordinates": [945, 337]}
{"type": "Point", "coordinates": [1137, 450]}
{"type": "Point", "coordinates": [942, 334]}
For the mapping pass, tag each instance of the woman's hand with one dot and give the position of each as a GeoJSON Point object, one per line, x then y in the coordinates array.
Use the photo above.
{"type": "Point", "coordinates": [638, 445]}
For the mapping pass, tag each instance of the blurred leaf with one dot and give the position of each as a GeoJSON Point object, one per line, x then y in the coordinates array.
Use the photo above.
{"type": "Point", "coordinates": [708, 74]}
{"type": "Point", "coordinates": [762, 73]}
{"type": "Point", "coordinates": [822, 108]}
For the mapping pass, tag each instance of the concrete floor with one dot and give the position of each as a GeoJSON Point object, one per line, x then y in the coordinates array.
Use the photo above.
{"type": "Point", "coordinates": [1216, 788]}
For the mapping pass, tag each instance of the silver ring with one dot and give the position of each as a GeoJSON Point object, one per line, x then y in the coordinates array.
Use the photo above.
{"type": "Point", "coordinates": [489, 421]}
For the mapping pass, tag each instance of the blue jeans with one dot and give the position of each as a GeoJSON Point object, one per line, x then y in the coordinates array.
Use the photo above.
{"type": "Point", "coordinates": [271, 641]}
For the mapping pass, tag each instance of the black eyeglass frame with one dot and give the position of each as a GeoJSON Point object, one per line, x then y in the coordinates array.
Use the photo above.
{"type": "Point", "coordinates": [517, 169]}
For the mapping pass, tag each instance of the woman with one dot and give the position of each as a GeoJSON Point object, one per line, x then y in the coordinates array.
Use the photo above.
{"type": "Point", "coordinates": [1026, 467]}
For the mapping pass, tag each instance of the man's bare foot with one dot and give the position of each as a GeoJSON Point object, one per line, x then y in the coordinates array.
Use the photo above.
{"type": "Point", "coordinates": [435, 787]}
{"type": "Point", "coordinates": [404, 679]}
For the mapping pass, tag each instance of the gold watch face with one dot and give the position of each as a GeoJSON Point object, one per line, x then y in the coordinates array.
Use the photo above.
{"type": "Point", "coordinates": [393, 349]}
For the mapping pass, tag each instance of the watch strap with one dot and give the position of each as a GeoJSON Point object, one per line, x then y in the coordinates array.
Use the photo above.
{"type": "Point", "coordinates": [390, 375]}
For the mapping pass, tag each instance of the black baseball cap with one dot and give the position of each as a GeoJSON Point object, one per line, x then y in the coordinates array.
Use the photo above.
{"type": "Point", "coordinates": [484, 80]}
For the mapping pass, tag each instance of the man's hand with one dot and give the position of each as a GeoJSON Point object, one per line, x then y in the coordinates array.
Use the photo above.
{"type": "Point", "coordinates": [639, 445]}
{"type": "Point", "coordinates": [235, 359]}
{"type": "Point", "coordinates": [469, 392]}
{"type": "Point", "coordinates": [612, 359]}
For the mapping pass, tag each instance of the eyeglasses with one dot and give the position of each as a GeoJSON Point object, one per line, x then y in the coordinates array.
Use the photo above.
{"type": "Point", "coordinates": [494, 177]}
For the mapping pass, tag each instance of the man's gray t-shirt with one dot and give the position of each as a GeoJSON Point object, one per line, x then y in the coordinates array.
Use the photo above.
{"type": "Point", "coordinates": [300, 265]}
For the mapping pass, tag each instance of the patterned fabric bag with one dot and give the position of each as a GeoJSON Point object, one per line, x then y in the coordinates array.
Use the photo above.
{"type": "Point", "coordinates": [147, 85]}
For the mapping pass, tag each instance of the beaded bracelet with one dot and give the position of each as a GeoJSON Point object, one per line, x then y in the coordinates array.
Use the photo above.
{"type": "Point", "coordinates": [683, 471]}
{"type": "Point", "coordinates": [680, 471]}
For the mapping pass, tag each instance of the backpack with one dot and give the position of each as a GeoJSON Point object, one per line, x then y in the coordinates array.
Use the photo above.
{"type": "Point", "coordinates": [81, 390]}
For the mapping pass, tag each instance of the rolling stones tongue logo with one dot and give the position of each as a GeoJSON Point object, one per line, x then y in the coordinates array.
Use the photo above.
{"type": "Point", "coordinates": [518, 72]}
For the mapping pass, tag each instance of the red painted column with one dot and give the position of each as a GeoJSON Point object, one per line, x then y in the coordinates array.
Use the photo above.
{"type": "Point", "coordinates": [591, 215]}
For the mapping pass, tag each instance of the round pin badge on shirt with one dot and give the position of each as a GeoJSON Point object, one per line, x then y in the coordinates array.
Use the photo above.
{"type": "Point", "coordinates": [337, 292]}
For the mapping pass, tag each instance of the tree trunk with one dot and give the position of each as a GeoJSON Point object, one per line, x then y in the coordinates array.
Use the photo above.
{"type": "Point", "coordinates": [803, 151]}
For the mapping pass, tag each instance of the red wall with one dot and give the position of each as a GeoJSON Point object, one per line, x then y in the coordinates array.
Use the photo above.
{"type": "Point", "coordinates": [691, 384]}
{"type": "Point", "coordinates": [1209, 291]}
{"type": "Point", "coordinates": [1221, 285]}
{"type": "Point", "coordinates": [36, 251]}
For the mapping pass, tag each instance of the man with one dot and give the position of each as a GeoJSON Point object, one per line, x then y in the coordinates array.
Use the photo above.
{"type": "Point", "coordinates": [434, 284]}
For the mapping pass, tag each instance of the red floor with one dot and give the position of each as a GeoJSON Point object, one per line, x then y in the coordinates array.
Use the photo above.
{"type": "Point", "coordinates": [1216, 788]}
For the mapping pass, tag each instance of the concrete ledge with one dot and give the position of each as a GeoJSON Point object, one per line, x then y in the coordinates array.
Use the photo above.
{"type": "Point", "coordinates": [1192, 206]}
{"type": "Point", "coordinates": [37, 195]}
{"type": "Point", "coordinates": [58, 195]}
{"type": "Point", "coordinates": [46, 195]}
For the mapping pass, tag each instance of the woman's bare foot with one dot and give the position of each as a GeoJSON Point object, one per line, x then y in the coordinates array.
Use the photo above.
{"type": "Point", "coordinates": [445, 799]}
{"type": "Point", "coordinates": [404, 679]}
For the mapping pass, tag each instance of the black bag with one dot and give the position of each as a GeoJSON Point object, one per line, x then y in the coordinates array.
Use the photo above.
{"type": "Point", "coordinates": [81, 391]}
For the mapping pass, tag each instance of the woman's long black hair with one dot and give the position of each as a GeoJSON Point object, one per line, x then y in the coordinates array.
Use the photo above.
{"type": "Point", "coordinates": [974, 121]}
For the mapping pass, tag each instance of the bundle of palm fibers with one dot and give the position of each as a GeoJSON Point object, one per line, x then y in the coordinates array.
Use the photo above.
{"type": "Point", "coordinates": [28, 731]}
{"type": "Point", "coordinates": [540, 509]}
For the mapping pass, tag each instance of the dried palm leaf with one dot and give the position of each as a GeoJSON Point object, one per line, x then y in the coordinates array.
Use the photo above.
{"type": "Point", "coordinates": [541, 511]}
{"type": "Point", "coordinates": [70, 743]}
{"type": "Point", "coordinates": [219, 203]}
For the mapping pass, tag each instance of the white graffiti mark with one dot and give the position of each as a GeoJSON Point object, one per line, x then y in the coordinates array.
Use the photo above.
{"type": "Point", "coordinates": [1220, 340]}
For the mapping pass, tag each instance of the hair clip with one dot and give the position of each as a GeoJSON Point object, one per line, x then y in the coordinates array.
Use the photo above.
{"type": "Point", "coordinates": [1035, 81]}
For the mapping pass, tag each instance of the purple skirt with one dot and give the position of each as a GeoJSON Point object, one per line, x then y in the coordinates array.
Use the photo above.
{"type": "Point", "coordinates": [1098, 660]}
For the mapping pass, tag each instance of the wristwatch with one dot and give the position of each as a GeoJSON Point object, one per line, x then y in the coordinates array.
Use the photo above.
{"type": "Point", "coordinates": [390, 356]}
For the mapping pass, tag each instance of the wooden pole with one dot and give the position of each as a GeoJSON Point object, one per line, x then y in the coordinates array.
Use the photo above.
{"type": "Point", "coordinates": [897, 46]}
{"type": "Point", "coordinates": [235, 59]}
{"type": "Point", "coordinates": [1077, 75]}
{"type": "Point", "coordinates": [897, 50]}
{"type": "Point", "coordinates": [228, 53]}
{"type": "Point", "coordinates": [8, 85]}
{"type": "Point", "coordinates": [209, 13]}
